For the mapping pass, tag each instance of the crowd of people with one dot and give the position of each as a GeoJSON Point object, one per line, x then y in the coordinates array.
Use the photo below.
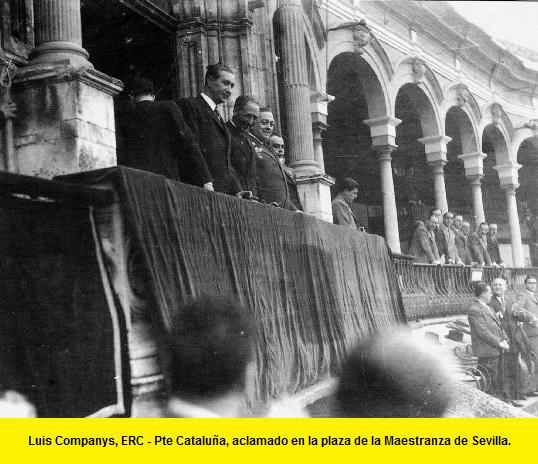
{"type": "Point", "coordinates": [446, 239]}
{"type": "Point", "coordinates": [189, 141]}
{"type": "Point", "coordinates": [504, 337]}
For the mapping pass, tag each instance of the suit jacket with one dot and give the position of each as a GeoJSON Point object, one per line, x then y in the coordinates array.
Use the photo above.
{"type": "Point", "coordinates": [214, 140]}
{"type": "Point", "coordinates": [511, 318]}
{"type": "Point", "coordinates": [493, 250]}
{"type": "Point", "coordinates": [342, 213]}
{"type": "Point", "coordinates": [243, 158]}
{"type": "Point", "coordinates": [448, 238]}
{"type": "Point", "coordinates": [486, 331]}
{"type": "Point", "coordinates": [478, 250]}
{"type": "Point", "coordinates": [462, 245]}
{"type": "Point", "coordinates": [292, 188]}
{"type": "Point", "coordinates": [423, 246]}
{"type": "Point", "coordinates": [270, 176]}
{"type": "Point", "coordinates": [156, 138]}
{"type": "Point", "coordinates": [529, 302]}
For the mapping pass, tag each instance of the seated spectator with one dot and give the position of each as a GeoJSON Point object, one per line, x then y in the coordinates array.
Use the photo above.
{"type": "Point", "coordinates": [394, 375]}
{"type": "Point", "coordinates": [423, 246]}
{"type": "Point", "coordinates": [211, 346]}
{"type": "Point", "coordinates": [156, 139]}
{"type": "Point", "coordinates": [493, 246]}
{"type": "Point", "coordinates": [243, 157]}
{"type": "Point", "coordinates": [448, 240]}
{"type": "Point", "coordinates": [478, 246]}
{"type": "Point", "coordinates": [270, 176]}
{"type": "Point", "coordinates": [489, 340]}
{"type": "Point", "coordinates": [342, 213]}
{"type": "Point", "coordinates": [276, 143]}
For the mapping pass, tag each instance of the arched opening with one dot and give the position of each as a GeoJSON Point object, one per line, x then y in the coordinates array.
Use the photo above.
{"type": "Point", "coordinates": [124, 45]}
{"type": "Point", "coordinates": [458, 189]}
{"type": "Point", "coordinates": [413, 179]}
{"type": "Point", "coordinates": [527, 193]}
{"type": "Point", "coordinates": [347, 147]}
{"type": "Point", "coordinates": [495, 147]}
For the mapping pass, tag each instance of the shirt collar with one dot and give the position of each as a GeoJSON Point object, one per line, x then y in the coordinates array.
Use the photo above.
{"type": "Point", "coordinates": [208, 100]}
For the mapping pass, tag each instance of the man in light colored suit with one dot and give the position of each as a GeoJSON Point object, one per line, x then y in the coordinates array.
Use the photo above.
{"type": "Point", "coordinates": [342, 213]}
{"type": "Point", "coordinates": [423, 246]}
{"type": "Point", "coordinates": [478, 246]}
{"type": "Point", "coordinates": [527, 300]}
{"type": "Point", "coordinates": [448, 239]}
{"type": "Point", "coordinates": [489, 341]}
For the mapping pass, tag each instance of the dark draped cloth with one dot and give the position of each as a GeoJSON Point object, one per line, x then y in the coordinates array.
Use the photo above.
{"type": "Point", "coordinates": [60, 340]}
{"type": "Point", "coordinates": [313, 288]}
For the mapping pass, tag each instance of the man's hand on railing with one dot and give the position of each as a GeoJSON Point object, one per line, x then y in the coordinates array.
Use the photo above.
{"type": "Point", "coordinates": [504, 345]}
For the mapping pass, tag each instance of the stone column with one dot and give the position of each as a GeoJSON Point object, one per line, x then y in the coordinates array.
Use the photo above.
{"type": "Point", "coordinates": [435, 147]}
{"type": "Point", "coordinates": [58, 32]}
{"type": "Point", "coordinates": [318, 112]}
{"type": "Point", "coordinates": [312, 185]}
{"type": "Point", "coordinates": [473, 164]}
{"type": "Point", "coordinates": [296, 88]}
{"type": "Point", "coordinates": [65, 117]}
{"type": "Point", "coordinates": [383, 134]}
{"type": "Point", "coordinates": [508, 176]}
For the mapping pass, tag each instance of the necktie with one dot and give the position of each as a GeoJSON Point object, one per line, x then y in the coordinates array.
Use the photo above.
{"type": "Point", "coordinates": [216, 111]}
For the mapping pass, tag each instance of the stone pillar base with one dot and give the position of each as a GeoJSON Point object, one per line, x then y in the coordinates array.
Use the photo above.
{"type": "Point", "coordinates": [315, 194]}
{"type": "Point", "coordinates": [65, 119]}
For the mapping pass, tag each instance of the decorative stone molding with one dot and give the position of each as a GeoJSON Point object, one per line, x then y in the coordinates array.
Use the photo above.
{"type": "Point", "coordinates": [36, 74]}
{"type": "Point", "coordinates": [435, 147]}
{"type": "Point", "coordinates": [361, 36]}
{"type": "Point", "coordinates": [531, 124]}
{"type": "Point", "coordinates": [318, 108]}
{"type": "Point", "coordinates": [383, 130]}
{"type": "Point", "coordinates": [419, 70]}
{"type": "Point", "coordinates": [508, 175]}
{"type": "Point", "coordinates": [473, 163]}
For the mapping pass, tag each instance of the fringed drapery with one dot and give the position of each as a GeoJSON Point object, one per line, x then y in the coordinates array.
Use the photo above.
{"type": "Point", "coordinates": [314, 288]}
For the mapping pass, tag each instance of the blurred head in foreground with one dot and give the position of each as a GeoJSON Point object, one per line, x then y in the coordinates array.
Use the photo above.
{"type": "Point", "coordinates": [13, 404]}
{"type": "Point", "coordinates": [393, 375]}
{"type": "Point", "coordinates": [212, 345]}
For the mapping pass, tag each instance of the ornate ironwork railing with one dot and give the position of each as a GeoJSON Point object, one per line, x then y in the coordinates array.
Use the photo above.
{"type": "Point", "coordinates": [430, 290]}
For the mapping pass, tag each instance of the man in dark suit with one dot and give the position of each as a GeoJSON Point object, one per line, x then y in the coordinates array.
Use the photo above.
{"type": "Point", "coordinates": [493, 246]}
{"type": "Point", "coordinates": [204, 119]}
{"type": "Point", "coordinates": [270, 177]}
{"type": "Point", "coordinates": [488, 338]}
{"type": "Point", "coordinates": [243, 156]}
{"type": "Point", "coordinates": [276, 142]}
{"type": "Point", "coordinates": [157, 139]}
{"type": "Point", "coordinates": [511, 316]}
{"type": "Point", "coordinates": [528, 301]}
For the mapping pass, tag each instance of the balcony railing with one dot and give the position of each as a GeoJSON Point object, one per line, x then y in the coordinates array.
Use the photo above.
{"type": "Point", "coordinates": [430, 290]}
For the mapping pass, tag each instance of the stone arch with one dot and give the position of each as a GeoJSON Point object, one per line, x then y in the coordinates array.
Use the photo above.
{"type": "Point", "coordinates": [526, 153]}
{"type": "Point", "coordinates": [494, 116]}
{"type": "Point", "coordinates": [341, 41]}
{"type": "Point", "coordinates": [415, 78]}
{"type": "Point", "coordinates": [374, 90]}
{"type": "Point", "coordinates": [462, 105]}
